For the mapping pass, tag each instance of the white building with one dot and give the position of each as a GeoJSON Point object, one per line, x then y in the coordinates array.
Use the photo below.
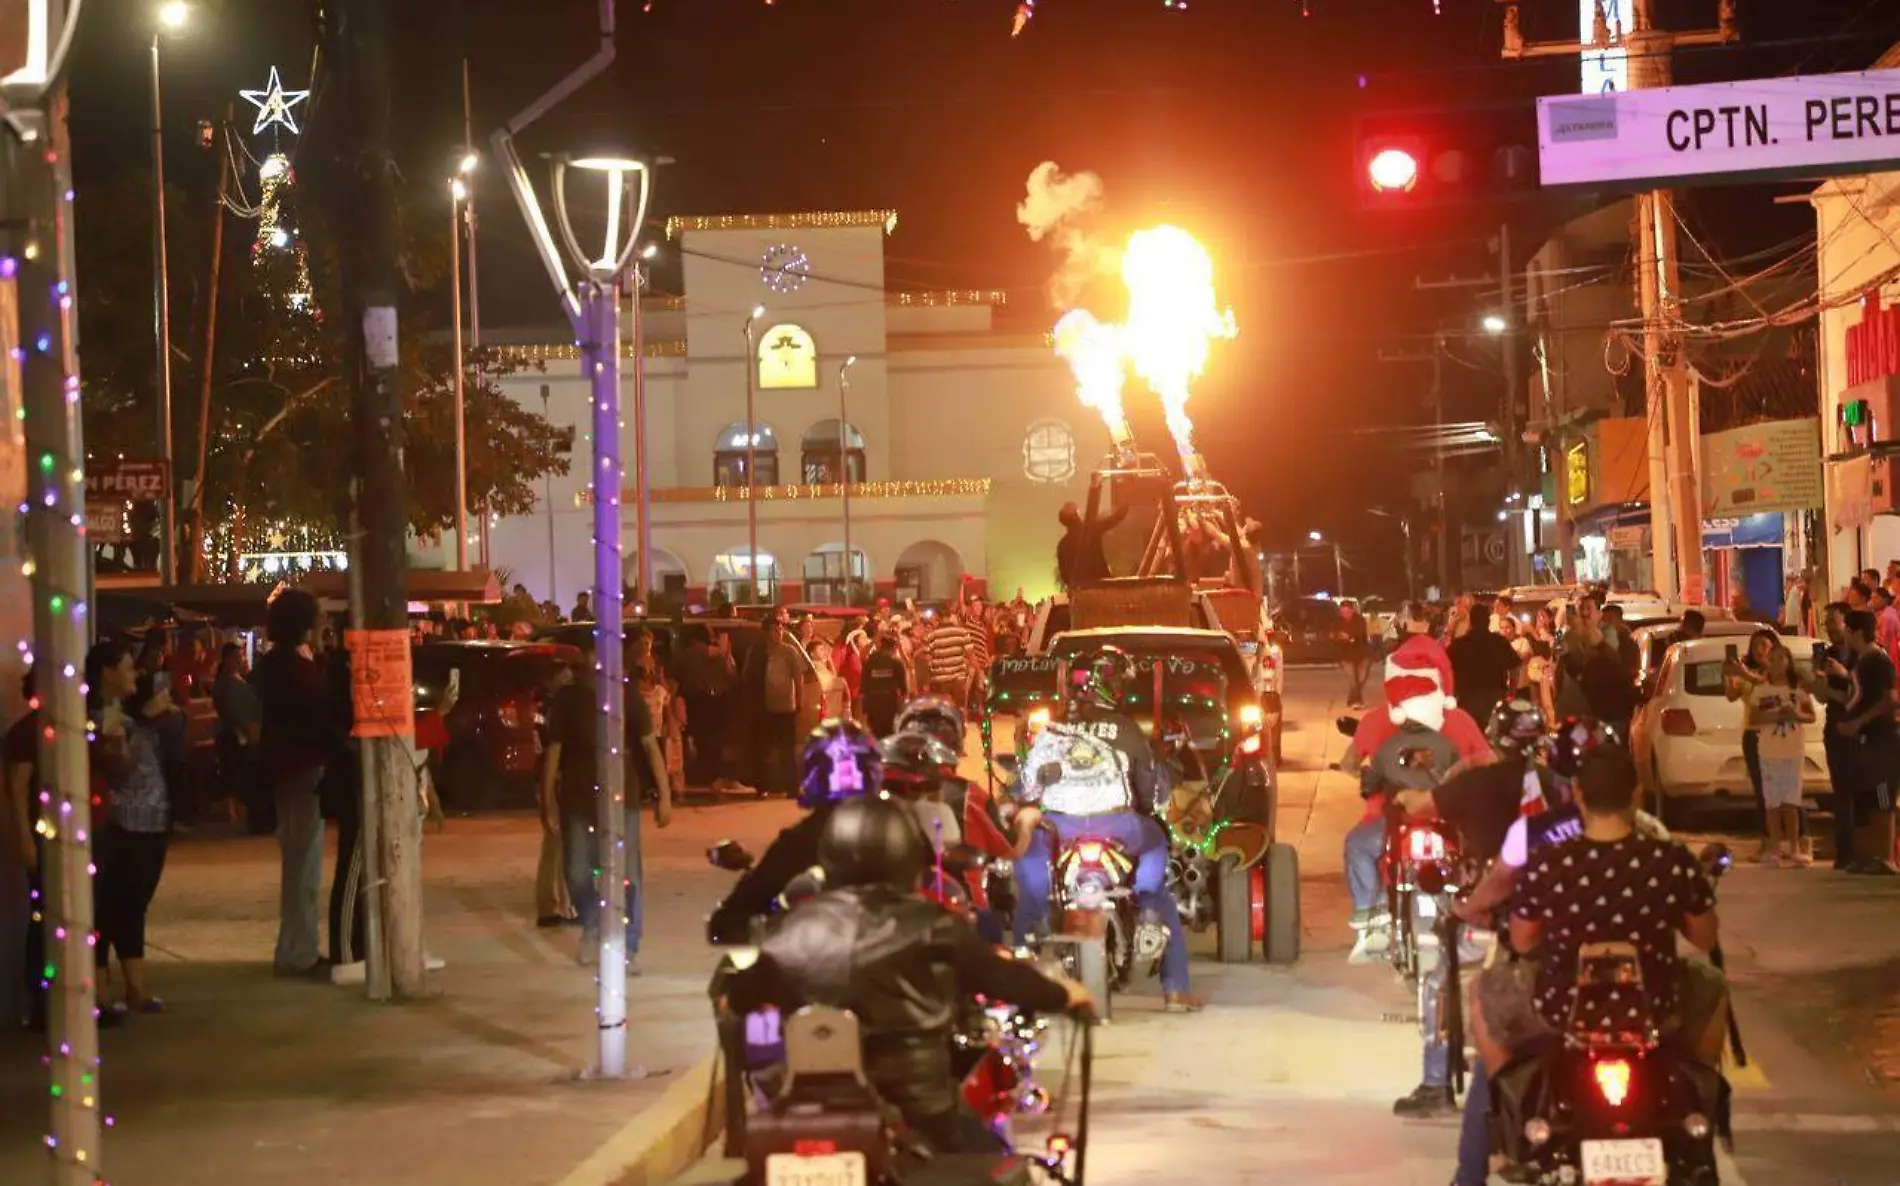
{"type": "Point", "coordinates": [963, 443]}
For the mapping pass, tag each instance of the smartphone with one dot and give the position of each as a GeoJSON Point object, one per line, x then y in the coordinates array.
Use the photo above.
{"type": "Point", "coordinates": [161, 683]}
{"type": "Point", "coordinates": [1820, 656]}
{"type": "Point", "coordinates": [1733, 651]}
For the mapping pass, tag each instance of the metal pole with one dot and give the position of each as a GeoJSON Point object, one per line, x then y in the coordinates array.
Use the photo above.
{"type": "Point", "coordinates": [547, 501]}
{"type": "Point", "coordinates": [643, 572]}
{"type": "Point", "coordinates": [198, 564]}
{"type": "Point", "coordinates": [461, 365]}
{"type": "Point", "coordinates": [38, 238]}
{"type": "Point", "coordinates": [474, 287]}
{"type": "Point", "coordinates": [1411, 574]}
{"type": "Point", "coordinates": [1339, 569]}
{"type": "Point", "coordinates": [602, 350]}
{"type": "Point", "coordinates": [750, 364]}
{"type": "Point", "coordinates": [162, 331]}
{"type": "Point", "coordinates": [844, 471]}
{"type": "Point", "coordinates": [1444, 493]}
{"type": "Point", "coordinates": [1513, 442]}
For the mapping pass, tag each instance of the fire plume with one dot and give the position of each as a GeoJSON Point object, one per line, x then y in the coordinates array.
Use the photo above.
{"type": "Point", "coordinates": [1099, 363]}
{"type": "Point", "coordinates": [1173, 317]}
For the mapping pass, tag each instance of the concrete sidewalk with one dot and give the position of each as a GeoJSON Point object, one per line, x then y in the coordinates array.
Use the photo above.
{"type": "Point", "coordinates": [250, 1078]}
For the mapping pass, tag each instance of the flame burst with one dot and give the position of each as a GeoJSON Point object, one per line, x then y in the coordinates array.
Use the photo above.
{"type": "Point", "coordinates": [1100, 365]}
{"type": "Point", "coordinates": [1172, 318]}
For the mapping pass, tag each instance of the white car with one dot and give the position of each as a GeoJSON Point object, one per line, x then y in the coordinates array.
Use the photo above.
{"type": "Point", "coordinates": [1687, 737]}
{"type": "Point", "coordinates": [1652, 641]}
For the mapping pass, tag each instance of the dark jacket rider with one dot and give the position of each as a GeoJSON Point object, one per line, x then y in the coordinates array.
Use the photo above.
{"type": "Point", "coordinates": [901, 964]}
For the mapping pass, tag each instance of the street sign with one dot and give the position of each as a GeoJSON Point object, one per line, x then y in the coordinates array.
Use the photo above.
{"type": "Point", "coordinates": [127, 481]}
{"type": "Point", "coordinates": [1606, 68]}
{"type": "Point", "coordinates": [1816, 125]}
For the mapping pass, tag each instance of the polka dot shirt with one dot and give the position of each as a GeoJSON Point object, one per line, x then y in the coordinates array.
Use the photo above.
{"type": "Point", "coordinates": [1634, 890]}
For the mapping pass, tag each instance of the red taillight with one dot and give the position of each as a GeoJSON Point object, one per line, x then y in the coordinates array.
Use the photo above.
{"type": "Point", "coordinates": [1089, 852]}
{"type": "Point", "coordinates": [1423, 845]}
{"type": "Point", "coordinates": [814, 1148]}
{"type": "Point", "coordinates": [1613, 1080]}
{"type": "Point", "coordinates": [1678, 722]}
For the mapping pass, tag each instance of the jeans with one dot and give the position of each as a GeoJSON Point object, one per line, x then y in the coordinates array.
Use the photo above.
{"type": "Point", "coordinates": [1355, 668]}
{"type": "Point", "coordinates": [1431, 999]}
{"type": "Point", "coordinates": [349, 912]}
{"type": "Point", "coordinates": [300, 844]}
{"type": "Point", "coordinates": [1843, 773]}
{"type": "Point", "coordinates": [706, 725]}
{"type": "Point", "coordinates": [581, 838]}
{"type": "Point", "coordinates": [1365, 844]}
{"type": "Point", "coordinates": [779, 773]}
{"type": "Point", "coordinates": [1474, 1132]}
{"type": "Point", "coordinates": [1143, 839]}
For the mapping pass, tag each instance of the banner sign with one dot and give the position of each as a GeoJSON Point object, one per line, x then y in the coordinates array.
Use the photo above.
{"type": "Point", "coordinates": [1772, 466]}
{"type": "Point", "coordinates": [1813, 125]}
{"type": "Point", "coordinates": [382, 683]}
{"type": "Point", "coordinates": [126, 481]}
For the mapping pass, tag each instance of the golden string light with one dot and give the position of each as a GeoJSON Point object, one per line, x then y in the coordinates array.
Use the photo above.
{"type": "Point", "coordinates": [819, 220]}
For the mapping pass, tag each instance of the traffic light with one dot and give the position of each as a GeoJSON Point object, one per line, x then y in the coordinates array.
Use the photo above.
{"type": "Point", "coordinates": [1469, 155]}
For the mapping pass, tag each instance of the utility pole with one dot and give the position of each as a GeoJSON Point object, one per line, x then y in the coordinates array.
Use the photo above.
{"type": "Point", "coordinates": [1513, 436]}
{"type": "Point", "coordinates": [37, 232]}
{"type": "Point", "coordinates": [198, 563]}
{"type": "Point", "coordinates": [365, 205]}
{"type": "Point", "coordinates": [1437, 359]}
{"type": "Point", "coordinates": [1675, 489]}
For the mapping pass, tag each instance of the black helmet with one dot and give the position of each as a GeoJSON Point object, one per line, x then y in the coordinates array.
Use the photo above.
{"type": "Point", "coordinates": [1517, 727]}
{"type": "Point", "coordinates": [841, 762]}
{"type": "Point", "coordinates": [1576, 737]}
{"type": "Point", "coordinates": [937, 716]}
{"type": "Point", "coordinates": [916, 763]}
{"type": "Point", "coordinates": [873, 841]}
{"type": "Point", "coordinates": [1099, 679]}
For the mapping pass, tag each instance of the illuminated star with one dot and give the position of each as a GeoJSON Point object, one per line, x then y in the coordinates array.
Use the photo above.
{"type": "Point", "coordinates": [273, 104]}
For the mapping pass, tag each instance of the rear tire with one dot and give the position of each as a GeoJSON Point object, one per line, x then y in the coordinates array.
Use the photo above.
{"type": "Point", "coordinates": [1674, 813]}
{"type": "Point", "coordinates": [1233, 912]}
{"type": "Point", "coordinates": [1283, 904]}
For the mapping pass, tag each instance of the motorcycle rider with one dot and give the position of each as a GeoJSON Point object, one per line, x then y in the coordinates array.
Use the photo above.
{"type": "Point", "coordinates": [1093, 774]}
{"type": "Point", "coordinates": [841, 762]}
{"type": "Point", "coordinates": [902, 965]}
{"type": "Point", "coordinates": [1479, 805]}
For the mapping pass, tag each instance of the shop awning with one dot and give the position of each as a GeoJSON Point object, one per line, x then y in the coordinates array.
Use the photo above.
{"type": "Point", "coordinates": [1749, 531]}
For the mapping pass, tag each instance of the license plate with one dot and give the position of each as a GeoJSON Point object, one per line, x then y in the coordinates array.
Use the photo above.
{"type": "Point", "coordinates": [1427, 906]}
{"type": "Point", "coordinates": [1624, 1163]}
{"type": "Point", "coordinates": [825, 1169]}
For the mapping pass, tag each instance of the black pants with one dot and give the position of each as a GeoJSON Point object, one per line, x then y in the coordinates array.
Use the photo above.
{"type": "Point", "coordinates": [130, 865]}
{"type": "Point", "coordinates": [1844, 775]}
{"type": "Point", "coordinates": [958, 1131]}
{"type": "Point", "coordinates": [880, 715]}
{"type": "Point", "coordinates": [348, 894]}
{"type": "Point", "coordinates": [780, 774]}
{"type": "Point", "coordinates": [706, 725]}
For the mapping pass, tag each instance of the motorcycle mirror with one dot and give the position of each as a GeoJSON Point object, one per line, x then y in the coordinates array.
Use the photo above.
{"type": "Point", "coordinates": [1347, 726]}
{"type": "Point", "coordinates": [729, 855]}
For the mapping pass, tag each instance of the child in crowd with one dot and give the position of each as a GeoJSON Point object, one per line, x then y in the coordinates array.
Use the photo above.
{"type": "Point", "coordinates": [1778, 710]}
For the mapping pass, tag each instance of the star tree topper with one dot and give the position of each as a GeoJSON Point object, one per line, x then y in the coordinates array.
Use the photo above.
{"type": "Point", "coordinates": [273, 104]}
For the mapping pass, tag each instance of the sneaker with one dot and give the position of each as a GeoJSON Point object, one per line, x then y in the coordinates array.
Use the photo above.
{"type": "Point", "coordinates": [1182, 1002]}
{"type": "Point", "coordinates": [1768, 860]}
{"type": "Point", "coordinates": [1364, 951]}
{"type": "Point", "coordinates": [1426, 1103]}
{"type": "Point", "coordinates": [1361, 920]}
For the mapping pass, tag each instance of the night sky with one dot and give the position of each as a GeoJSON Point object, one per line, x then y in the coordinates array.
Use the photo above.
{"type": "Point", "coordinates": [1232, 118]}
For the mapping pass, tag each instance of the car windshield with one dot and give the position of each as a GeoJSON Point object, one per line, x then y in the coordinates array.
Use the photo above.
{"type": "Point", "coordinates": [1704, 678]}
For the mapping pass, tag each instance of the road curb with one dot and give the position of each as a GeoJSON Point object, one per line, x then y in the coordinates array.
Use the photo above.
{"type": "Point", "coordinates": [666, 1137]}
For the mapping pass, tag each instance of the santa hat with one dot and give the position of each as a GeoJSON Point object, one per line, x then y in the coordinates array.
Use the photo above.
{"type": "Point", "coordinates": [1418, 681]}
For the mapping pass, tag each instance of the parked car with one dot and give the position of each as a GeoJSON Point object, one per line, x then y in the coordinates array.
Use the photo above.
{"type": "Point", "coordinates": [496, 719]}
{"type": "Point", "coordinates": [1687, 737]}
{"type": "Point", "coordinates": [1652, 641]}
{"type": "Point", "coordinates": [1309, 630]}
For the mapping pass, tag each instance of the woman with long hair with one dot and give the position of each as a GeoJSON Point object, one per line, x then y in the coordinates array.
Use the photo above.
{"type": "Point", "coordinates": [129, 843]}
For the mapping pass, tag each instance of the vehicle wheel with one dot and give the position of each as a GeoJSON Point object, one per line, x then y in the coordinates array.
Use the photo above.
{"type": "Point", "coordinates": [1233, 911]}
{"type": "Point", "coordinates": [1674, 813]}
{"type": "Point", "coordinates": [1283, 904]}
{"type": "Point", "coordinates": [1119, 940]}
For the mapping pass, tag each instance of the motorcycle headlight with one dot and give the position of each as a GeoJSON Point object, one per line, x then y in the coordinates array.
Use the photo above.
{"type": "Point", "coordinates": [1537, 1131]}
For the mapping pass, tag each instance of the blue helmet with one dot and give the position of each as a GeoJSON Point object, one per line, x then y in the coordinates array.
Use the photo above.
{"type": "Point", "coordinates": [841, 761]}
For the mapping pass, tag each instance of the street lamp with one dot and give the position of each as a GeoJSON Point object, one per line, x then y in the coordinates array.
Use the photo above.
{"type": "Point", "coordinates": [594, 314]}
{"type": "Point", "coordinates": [458, 193]}
{"type": "Point", "coordinates": [844, 469]}
{"type": "Point", "coordinates": [1494, 324]}
{"type": "Point", "coordinates": [750, 365]}
{"type": "Point", "coordinates": [1314, 536]}
{"type": "Point", "coordinates": [171, 17]}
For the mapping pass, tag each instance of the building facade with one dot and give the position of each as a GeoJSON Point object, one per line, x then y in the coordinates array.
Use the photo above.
{"type": "Point", "coordinates": [961, 443]}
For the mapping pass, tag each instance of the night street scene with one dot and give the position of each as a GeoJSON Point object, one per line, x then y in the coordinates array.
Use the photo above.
{"type": "Point", "coordinates": [950, 592]}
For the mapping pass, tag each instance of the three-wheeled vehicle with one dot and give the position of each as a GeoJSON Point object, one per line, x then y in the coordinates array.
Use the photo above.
{"type": "Point", "coordinates": [1196, 703]}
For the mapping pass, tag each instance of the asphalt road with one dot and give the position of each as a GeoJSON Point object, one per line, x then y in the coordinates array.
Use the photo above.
{"type": "Point", "coordinates": [1290, 1074]}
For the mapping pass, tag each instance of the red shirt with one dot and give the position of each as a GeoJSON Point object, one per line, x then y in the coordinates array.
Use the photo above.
{"type": "Point", "coordinates": [1376, 728]}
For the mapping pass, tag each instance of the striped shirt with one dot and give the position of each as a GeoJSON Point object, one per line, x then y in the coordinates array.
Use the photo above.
{"type": "Point", "coordinates": [951, 652]}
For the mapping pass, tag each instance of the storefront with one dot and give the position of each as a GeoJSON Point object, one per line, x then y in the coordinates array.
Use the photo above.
{"type": "Point", "coordinates": [1746, 563]}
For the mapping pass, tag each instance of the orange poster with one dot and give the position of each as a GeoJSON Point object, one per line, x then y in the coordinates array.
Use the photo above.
{"type": "Point", "coordinates": [382, 688]}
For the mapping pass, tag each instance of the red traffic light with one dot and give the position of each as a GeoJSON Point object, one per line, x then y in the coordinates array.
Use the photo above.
{"type": "Point", "coordinates": [1392, 170]}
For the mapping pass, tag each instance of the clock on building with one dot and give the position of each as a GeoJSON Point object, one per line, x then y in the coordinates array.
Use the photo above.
{"type": "Point", "coordinates": [785, 268]}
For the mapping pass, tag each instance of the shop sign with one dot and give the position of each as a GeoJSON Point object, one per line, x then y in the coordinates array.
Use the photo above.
{"type": "Point", "coordinates": [1771, 466]}
{"type": "Point", "coordinates": [1577, 474]}
{"type": "Point", "coordinates": [1628, 538]}
{"type": "Point", "coordinates": [1850, 493]}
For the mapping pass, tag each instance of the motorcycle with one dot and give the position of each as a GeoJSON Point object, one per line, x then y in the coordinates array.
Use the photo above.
{"type": "Point", "coordinates": [1609, 1108]}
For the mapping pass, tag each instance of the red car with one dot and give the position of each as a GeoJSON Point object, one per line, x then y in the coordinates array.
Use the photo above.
{"type": "Point", "coordinates": [495, 722]}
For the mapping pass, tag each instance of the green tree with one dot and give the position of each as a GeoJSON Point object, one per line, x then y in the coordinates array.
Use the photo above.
{"type": "Point", "coordinates": [278, 442]}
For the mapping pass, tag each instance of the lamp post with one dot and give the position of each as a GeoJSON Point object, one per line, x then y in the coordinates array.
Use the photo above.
{"type": "Point", "coordinates": [844, 469]}
{"type": "Point", "coordinates": [458, 191]}
{"type": "Point", "coordinates": [750, 364]}
{"type": "Point", "coordinates": [594, 314]}
{"type": "Point", "coordinates": [1339, 563]}
{"type": "Point", "coordinates": [643, 564]}
{"type": "Point", "coordinates": [171, 18]}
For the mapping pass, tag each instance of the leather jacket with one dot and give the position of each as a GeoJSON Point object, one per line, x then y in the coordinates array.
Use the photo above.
{"type": "Point", "coordinates": [757, 891]}
{"type": "Point", "coordinates": [904, 966]}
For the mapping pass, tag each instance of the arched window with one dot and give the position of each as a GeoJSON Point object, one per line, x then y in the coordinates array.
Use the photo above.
{"type": "Point", "coordinates": [787, 358]}
{"type": "Point", "coordinates": [818, 453]}
{"type": "Point", "coordinates": [825, 581]}
{"type": "Point", "coordinates": [733, 575]}
{"type": "Point", "coordinates": [1049, 452]}
{"type": "Point", "coordinates": [731, 450]}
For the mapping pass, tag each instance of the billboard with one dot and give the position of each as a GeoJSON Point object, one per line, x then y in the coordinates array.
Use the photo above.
{"type": "Point", "coordinates": [1771, 466]}
{"type": "Point", "coordinates": [1814, 125]}
{"type": "Point", "coordinates": [1606, 68]}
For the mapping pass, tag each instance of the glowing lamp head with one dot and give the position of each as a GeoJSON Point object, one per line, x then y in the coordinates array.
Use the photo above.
{"type": "Point", "coordinates": [457, 189]}
{"type": "Point", "coordinates": [174, 15]}
{"type": "Point", "coordinates": [1392, 170]}
{"type": "Point", "coordinates": [1494, 324]}
{"type": "Point", "coordinates": [468, 163]}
